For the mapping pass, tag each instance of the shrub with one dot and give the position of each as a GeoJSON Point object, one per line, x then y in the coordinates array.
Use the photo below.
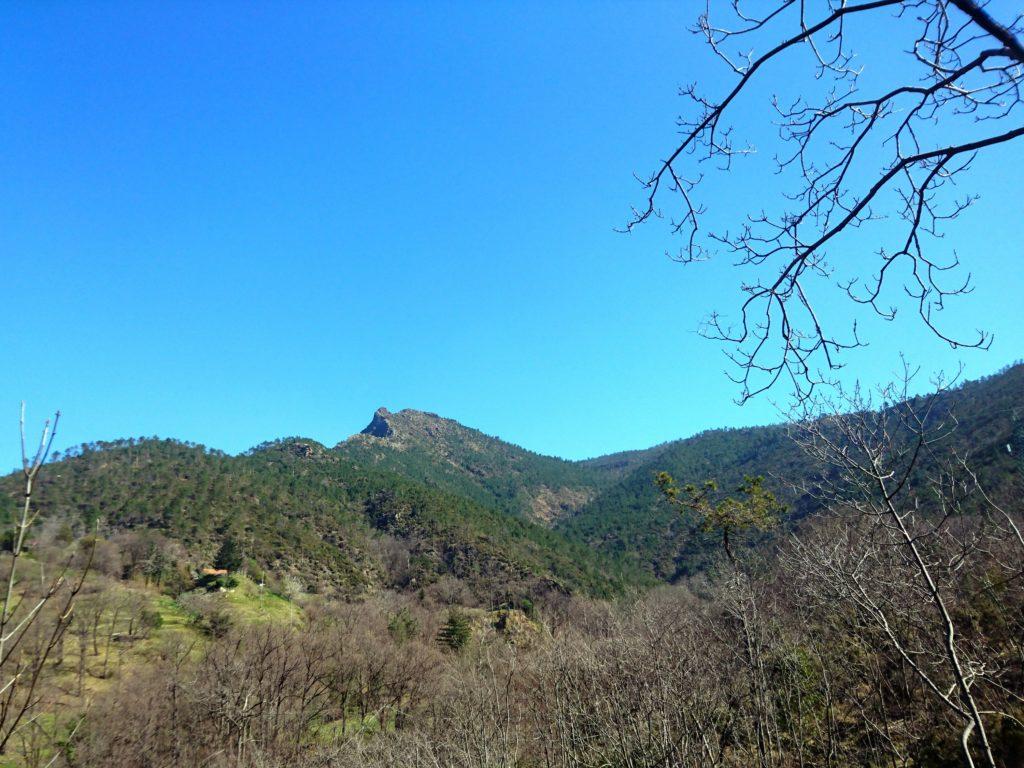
{"type": "Point", "coordinates": [403, 626]}
{"type": "Point", "coordinates": [206, 613]}
{"type": "Point", "coordinates": [213, 582]}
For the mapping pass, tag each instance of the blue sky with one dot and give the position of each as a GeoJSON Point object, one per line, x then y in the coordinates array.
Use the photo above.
{"type": "Point", "coordinates": [229, 222]}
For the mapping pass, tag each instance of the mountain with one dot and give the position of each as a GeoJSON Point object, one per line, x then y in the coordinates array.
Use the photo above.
{"type": "Point", "coordinates": [416, 498]}
{"type": "Point", "coordinates": [622, 463]}
{"type": "Point", "coordinates": [310, 514]}
{"type": "Point", "coordinates": [630, 520]}
{"type": "Point", "coordinates": [444, 454]}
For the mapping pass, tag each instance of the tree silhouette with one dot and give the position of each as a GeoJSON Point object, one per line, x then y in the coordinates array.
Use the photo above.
{"type": "Point", "coordinates": [893, 148]}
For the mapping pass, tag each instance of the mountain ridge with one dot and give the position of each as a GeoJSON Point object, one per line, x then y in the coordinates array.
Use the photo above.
{"type": "Point", "coordinates": [417, 497]}
{"type": "Point", "coordinates": [629, 519]}
{"type": "Point", "coordinates": [444, 453]}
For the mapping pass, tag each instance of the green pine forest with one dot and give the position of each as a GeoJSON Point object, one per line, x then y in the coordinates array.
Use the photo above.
{"type": "Point", "coordinates": [436, 499]}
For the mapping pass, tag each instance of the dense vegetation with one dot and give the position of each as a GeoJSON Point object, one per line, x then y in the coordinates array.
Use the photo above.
{"type": "Point", "coordinates": [428, 498]}
{"type": "Point", "coordinates": [303, 514]}
{"type": "Point", "coordinates": [445, 454]}
{"type": "Point", "coordinates": [362, 612]}
{"type": "Point", "coordinates": [630, 520]}
{"type": "Point", "coordinates": [665, 680]}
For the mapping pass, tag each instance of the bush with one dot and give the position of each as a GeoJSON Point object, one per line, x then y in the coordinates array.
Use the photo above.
{"type": "Point", "coordinates": [217, 623]}
{"type": "Point", "coordinates": [151, 620]}
{"type": "Point", "coordinates": [212, 582]}
{"type": "Point", "coordinates": [403, 626]}
{"type": "Point", "coordinates": [206, 613]}
{"type": "Point", "coordinates": [175, 582]}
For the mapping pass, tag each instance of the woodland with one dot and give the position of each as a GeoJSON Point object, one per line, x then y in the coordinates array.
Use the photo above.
{"type": "Point", "coordinates": [842, 588]}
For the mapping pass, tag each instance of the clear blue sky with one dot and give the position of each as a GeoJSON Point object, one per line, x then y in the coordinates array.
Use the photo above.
{"type": "Point", "coordinates": [229, 222]}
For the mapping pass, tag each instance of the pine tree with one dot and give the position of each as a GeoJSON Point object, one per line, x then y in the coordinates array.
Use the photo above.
{"type": "Point", "coordinates": [456, 631]}
{"type": "Point", "coordinates": [229, 556]}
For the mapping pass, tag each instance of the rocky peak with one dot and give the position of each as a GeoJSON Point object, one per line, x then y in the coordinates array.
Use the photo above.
{"type": "Point", "coordinates": [408, 428]}
{"type": "Point", "coordinates": [379, 426]}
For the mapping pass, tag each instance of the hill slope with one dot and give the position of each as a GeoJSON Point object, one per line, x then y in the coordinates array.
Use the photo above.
{"type": "Point", "coordinates": [308, 513]}
{"type": "Point", "coordinates": [629, 519]}
{"type": "Point", "coordinates": [416, 497]}
{"type": "Point", "coordinates": [447, 455]}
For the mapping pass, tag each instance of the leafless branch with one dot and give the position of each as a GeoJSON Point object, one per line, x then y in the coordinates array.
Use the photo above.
{"type": "Point", "coordinates": [853, 161]}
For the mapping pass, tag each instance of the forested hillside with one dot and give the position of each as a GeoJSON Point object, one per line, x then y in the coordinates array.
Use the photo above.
{"type": "Point", "coordinates": [302, 512]}
{"type": "Point", "coordinates": [391, 601]}
{"type": "Point", "coordinates": [416, 498]}
{"type": "Point", "coordinates": [631, 520]}
{"type": "Point", "coordinates": [445, 454]}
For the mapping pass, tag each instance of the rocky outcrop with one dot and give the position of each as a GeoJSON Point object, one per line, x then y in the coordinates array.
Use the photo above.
{"type": "Point", "coordinates": [306, 450]}
{"type": "Point", "coordinates": [379, 426]}
{"type": "Point", "coordinates": [549, 505]}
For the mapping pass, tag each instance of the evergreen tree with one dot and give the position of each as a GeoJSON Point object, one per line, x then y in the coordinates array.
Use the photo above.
{"type": "Point", "coordinates": [455, 632]}
{"type": "Point", "coordinates": [229, 556]}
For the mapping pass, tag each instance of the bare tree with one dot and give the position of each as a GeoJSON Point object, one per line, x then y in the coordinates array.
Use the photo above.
{"type": "Point", "coordinates": [918, 528]}
{"type": "Point", "coordinates": [850, 156]}
{"type": "Point", "coordinates": [32, 623]}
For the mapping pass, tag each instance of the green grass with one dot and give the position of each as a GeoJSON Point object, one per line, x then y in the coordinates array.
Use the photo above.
{"type": "Point", "coordinates": [247, 603]}
{"type": "Point", "coordinates": [333, 730]}
{"type": "Point", "coordinates": [250, 603]}
{"type": "Point", "coordinates": [172, 615]}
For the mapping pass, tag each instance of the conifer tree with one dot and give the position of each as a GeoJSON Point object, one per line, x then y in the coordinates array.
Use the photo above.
{"type": "Point", "coordinates": [455, 632]}
{"type": "Point", "coordinates": [229, 556]}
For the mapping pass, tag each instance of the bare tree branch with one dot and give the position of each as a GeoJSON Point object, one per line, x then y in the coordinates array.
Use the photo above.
{"type": "Point", "coordinates": [854, 160]}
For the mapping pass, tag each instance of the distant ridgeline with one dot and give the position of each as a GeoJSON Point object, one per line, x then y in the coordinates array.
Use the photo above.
{"type": "Point", "coordinates": [415, 498]}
